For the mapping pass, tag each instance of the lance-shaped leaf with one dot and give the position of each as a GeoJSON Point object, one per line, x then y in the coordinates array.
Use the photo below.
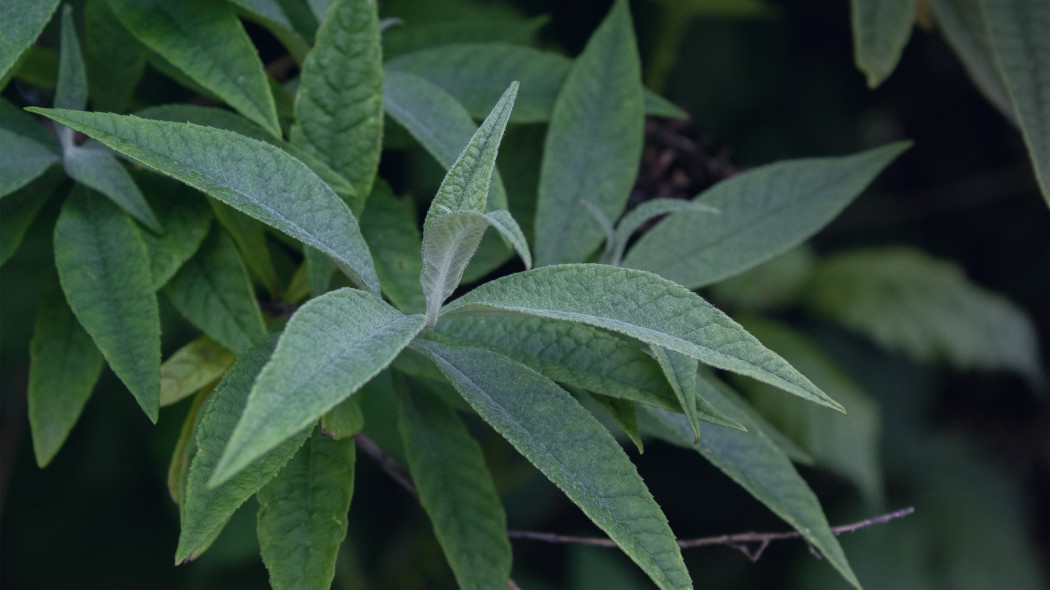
{"type": "Point", "coordinates": [104, 271]}
{"type": "Point", "coordinates": [250, 236]}
{"type": "Point", "coordinates": [330, 348]}
{"type": "Point", "coordinates": [115, 60]}
{"type": "Point", "coordinates": [71, 89]}
{"type": "Point", "coordinates": [681, 374]}
{"type": "Point", "coordinates": [452, 229]}
{"type": "Point", "coordinates": [638, 216]}
{"type": "Point", "coordinates": [390, 227]}
{"type": "Point", "coordinates": [625, 414]}
{"type": "Point", "coordinates": [572, 449]}
{"type": "Point", "coordinates": [456, 490]}
{"type": "Point", "coordinates": [1019, 31]}
{"type": "Point", "coordinates": [880, 31]}
{"type": "Point", "coordinates": [206, 509]}
{"type": "Point", "coordinates": [253, 177]}
{"type": "Point", "coordinates": [192, 367]}
{"type": "Point", "coordinates": [26, 149]}
{"type": "Point", "coordinates": [764, 212]}
{"type": "Point", "coordinates": [302, 514]}
{"type": "Point", "coordinates": [643, 306]}
{"type": "Point", "coordinates": [98, 169]}
{"type": "Point", "coordinates": [339, 103]}
{"type": "Point", "coordinates": [477, 73]}
{"type": "Point", "coordinates": [64, 366]}
{"type": "Point", "coordinates": [206, 42]}
{"type": "Point", "coordinates": [186, 218]}
{"type": "Point", "coordinates": [754, 462]}
{"type": "Point", "coordinates": [23, 20]}
{"type": "Point", "coordinates": [212, 290]}
{"type": "Point", "coordinates": [18, 211]}
{"type": "Point", "coordinates": [594, 142]}
{"type": "Point", "coordinates": [420, 34]}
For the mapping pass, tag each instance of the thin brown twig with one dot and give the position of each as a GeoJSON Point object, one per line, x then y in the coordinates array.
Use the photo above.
{"type": "Point", "coordinates": [386, 463]}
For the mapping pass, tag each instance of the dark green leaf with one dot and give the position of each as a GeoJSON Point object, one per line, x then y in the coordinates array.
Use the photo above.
{"type": "Point", "coordinates": [184, 450]}
{"type": "Point", "coordinates": [680, 371]}
{"type": "Point", "coordinates": [115, 60]}
{"type": "Point", "coordinates": [418, 34]}
{"type": "Point", "coordinates": [27, 149]}
{"type": "Point", "coordinates": [880, 31]}
{"type": "Point", "coordinates": [390, 227]}
{"type": "Point", "coordinates": [186, 218]}
{"type": "Point", "coordinates": [18, 211]}
{"type": "Point", "coordinates": [625, 414]}
{"type": "Point", "coordinates": [23, 22]}
{"type": "Point", "coordinates": [344, 420]}
{"type": "Point", "coordinates": [250, 236]}
{"type": "Point", "coordinates": [97, 168]}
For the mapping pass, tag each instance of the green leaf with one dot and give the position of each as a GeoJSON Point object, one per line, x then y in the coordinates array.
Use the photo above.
{"type": "Point", "coordinates": [38, 66]}
{"type": "Point", "coordinates": [910, 302]}
{"type": "Point", "coordinates": [179, 466]}
{"type": "Point", "coordinates": [452, 229]}
{"type": "Point", "coordinates": [205, 41]}
{"type": "Point", "coordinates": [64, 366]}
{"type": "Point", "coordinates": [253, 177]}
{"type": "Point", "coordinates": [192, 367]}
{"type": "Point", "coordinates": [1018, 30]}
{"type": "Point", "coordinates": [18, 211]}
{"type": "Point", "coordinates": [319, 271]}
{"type": "Point", "coordinates": [881, 29]}
{"type": "Point", "coordinates": [290, 22]}
{"type": "Point", "coordinates": [456, 490]}
{"type": "Point", "coordinates": [765, 211]}
{"type": "Point", "coordinates": [344, 420]}
{"type": "Point", "coordinates": [389, 226]}
{"type": "Point", "coordinates": [753, 461]}
{"type": "Point", "coordinates": [302, 514]}
{"type": "Point", "coordinates": [97, 168]}
{"type": "Point", "coordinates": [104, 271]}
{"type": "Point", "coordinates": [681, 374]}
{"type": "Point", "coordinates": [330, 348]}
{"type": "Point", "coordinates": [475, 74]}
{"type": "Point", "coordinates": [594, 143]}
{"type": "Point", "coordinates": [250, 236]}
{"type": "Point", "coordinates": [27, 149]}
{"type": "Point", "coordinates": [206, 509]}
{"type": "Point", "coordinates": [71, 89]}
{"type": "Point", "coordinates": [643, 306]}
{"type": "Point", "coordinates": [186, 218]}
{"type": "Point", "coordinates": [625, 414]}
{"type": "Point", "coordinates": [115, 60]}
{"type": "Point", "coordinates": [23, 20]}
{"type": "Point", "coordinates": [571, 448]}
{"type": "Point", "coordinates": [637, 217]}
{"type": "Point", "coordinates": [212, 290]}
{"type": "Point", "coordinates": [339, 103]}
{"type": "Point", "coordinates": [418, 34]}
{"type": "Point", "coordinates": [848, 445]}
{"type": "Point", "coordinates": [962, 23]}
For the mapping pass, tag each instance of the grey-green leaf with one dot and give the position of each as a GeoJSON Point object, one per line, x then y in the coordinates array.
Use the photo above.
{"type": "Point", "coordinates": [880, 31]}
{"type": "Point", "coordinates": [594, 143]}
{"type": "Point", "coordinates": [681, 374]}
{"type": "Point", "coordinates": [23, 20]}
{"type": "Point", "coordinates": [910, 302]}
{"type": "Point", "coordinates": [754, 462]}
{"type": "Point", "coordinates": [212, 290]}
{"type": "Point", "coordinates": [638, 216]}
{"type": "Point", "coordinates": [26, 149]}
{"type": "Point", "coordinates": [98, 169]}
{"type": "Point", "coordinates": [330, 348]}
{"type": "Point", "coordinates": [253, 177]}
{"type": "Point", "coordinates": [302, 514]}
{"type": "Point", "coordinates": [104, 271]}
{"type": "Point", "coordinates": [625, 414]}
{"type": "Point", "coordinates": [765, 211]}
{"type": "Point", "coordinates": [643, 306]}
{"type": "Point", "coordinates": [390, 227]}
{"type": "Point", "coordinates": [191, 368]}
{"type": "Point", "coordinates": [64, 366]}
{"type": "Point", "coordinates": [1019, 31]}
{"type": "Point", "coordinates": [572, 449]}
{"type": "Point", "coordinates": [205, 41]}
{"type": "Point", "coordinates": [186, 218]}
{"type": "Point", "coordinates": [71, 89]}
{"type": "Point", "coordinates": [339, 104]}
{"type": "Point", "coordinates": [205, 509]}
{"type": "Point", "coordinates": [456, 490]}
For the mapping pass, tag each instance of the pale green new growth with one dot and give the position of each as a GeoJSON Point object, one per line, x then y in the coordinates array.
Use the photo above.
{"type": "Point", "coordinates": [330, 348]}
{"type": "Point", "coordinates": [643, 306]}
{"type": "Point", "coordinates": [192, 367]}
{"type": "Point", "coordinates": [881, 29]}
{"type": "Point", "coordinates": [572, 449]}
{"type": "Point", "coordinates": [253, 177]}
{"type": "Point", "coordinates": [104, 271]}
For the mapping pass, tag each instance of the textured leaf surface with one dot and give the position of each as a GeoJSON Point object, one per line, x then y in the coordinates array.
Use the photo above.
{"type": "Point", "coordinates": [452, 230]}
{"type": "Point", "coordinates": [104, 271]}
{"type": "Point", "coordinates": [765, 211]}
{"type": "Point", "coordinates": [330, 348]}
{"type": "Point", "coordinates": [643, 306]}
{"type": "Point", "coordinates": [26, 148]}
{"type": "Point", "coordinates": [186, 218]}
{"type": "Point", "coordinates": [880, 31]}
{"type": "Point", "coordinates": [192, 367]}
{"type": "Point", "coordinates": [115, 60]}
{"type": "Point", "coordinates": [212, 290]}
{"type": "Point", "coordinates": [910, 302]}
{"type": "Point", "coordinates": [23, 20]}
{"type": "Point", "coordinates": [390, 227]}
{"type": "Point", "coordinates": [64, 366]}
{"type": "Point", "coordinates": [477, 73]}
{"type": "Point", "coordinates": [754, 462]}
{"type": "Point", "coordinates": [680, 371]}
{"type": "Point", "coordinates": [206, 509]}
{"type": "Point", "coordinates": [253, 177]}
{"type": "Point", "coordinates": [98, 169]}
{"type": "Point", "coordinates": [339, 104]}
{"type": "Point", "coordinates": [456, 490]}
{"type": "Point", "coordinates": [572, 449]}
{"type": "Point", "coordinates": [594, 143]}
{"type": "Point", "coordinates": [71, 89]}
{"type": "Point", "coordinates": [1019, 31]}
{"type": "Point", "coordinates": [302, 514]}
{"type": "Point", "coordinates": [206, 42]}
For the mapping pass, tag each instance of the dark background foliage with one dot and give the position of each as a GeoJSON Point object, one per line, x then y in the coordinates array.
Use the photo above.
{"type": "Point", "coordinates": [965, 444]}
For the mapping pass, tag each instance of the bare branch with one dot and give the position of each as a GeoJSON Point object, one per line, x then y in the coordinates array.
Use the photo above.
{"type": "Point", "coordinates": [386, 463]}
